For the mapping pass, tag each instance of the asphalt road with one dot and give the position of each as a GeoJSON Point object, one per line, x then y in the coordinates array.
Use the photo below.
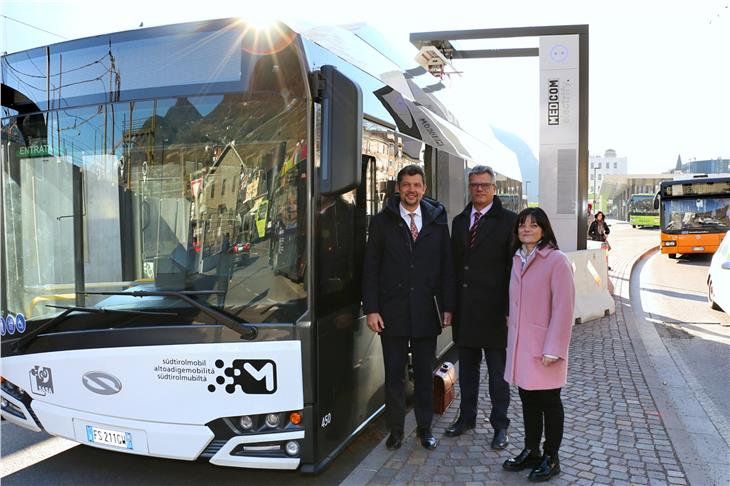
{"type": "Point", "coordinates": [674, 298]}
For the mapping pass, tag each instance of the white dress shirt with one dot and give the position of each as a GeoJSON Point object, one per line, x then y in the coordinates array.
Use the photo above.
{"type": "Point", "coordinates": [405, 214]}
{"type": "Point", "coordinates": [483, 211]}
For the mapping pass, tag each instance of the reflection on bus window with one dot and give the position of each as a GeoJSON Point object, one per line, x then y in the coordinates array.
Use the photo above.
{"type": "Point", "coordinates": [387, 153]}
{"type": "Point", "coordinates": [710, 214]}
{"type": "Point", "coordinates": [187, 193]}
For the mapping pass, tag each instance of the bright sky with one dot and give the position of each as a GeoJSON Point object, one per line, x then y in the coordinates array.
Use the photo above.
{"type": "Point", "coordinates": [659, 69]}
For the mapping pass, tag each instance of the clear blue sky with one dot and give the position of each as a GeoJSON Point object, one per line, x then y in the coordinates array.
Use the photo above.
{"type": "Point", "coordinates": [659, 69]}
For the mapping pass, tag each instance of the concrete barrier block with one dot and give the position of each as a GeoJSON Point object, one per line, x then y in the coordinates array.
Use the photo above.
{"type": "Point", "coordinates": [590, 274]}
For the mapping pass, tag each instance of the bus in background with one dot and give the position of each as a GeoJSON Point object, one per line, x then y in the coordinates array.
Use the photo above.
{"type": "Point", "coordinates": [641, 211]}
{"type": "Point", "coordinates": [694, 213]}
{"type": "Point", "coordinates": [196, 205]}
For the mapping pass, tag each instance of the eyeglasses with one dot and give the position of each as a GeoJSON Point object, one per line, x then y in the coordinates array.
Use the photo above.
{"type": "Point", "coordinates": [477, 185]}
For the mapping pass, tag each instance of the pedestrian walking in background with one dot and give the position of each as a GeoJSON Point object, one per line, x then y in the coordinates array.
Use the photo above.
{"type": "Point", "coordinates": [542, 297]}
{"type": "Point", "coordinates": [481, 241]}
{"type": "Point", "coordinates": [598, 231]}
{"type": "Point", "coordinates": [408, 282]}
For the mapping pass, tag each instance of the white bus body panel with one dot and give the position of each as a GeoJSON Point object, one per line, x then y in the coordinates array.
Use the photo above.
{"type": "Point", "coordinates": [161, 395]}
{"type": "Point", "coordinates": [174, 441]}
{"type": "Point", "coordinates": [224, 457]}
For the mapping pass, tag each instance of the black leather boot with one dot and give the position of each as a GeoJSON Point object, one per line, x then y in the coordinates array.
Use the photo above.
{"type": "Point", "coordinates": [549, 466]}
{"type": "Point", "coordinates": [528, 458]}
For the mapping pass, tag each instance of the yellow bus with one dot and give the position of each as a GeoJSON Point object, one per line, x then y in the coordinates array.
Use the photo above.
{"type": "Point", "coordinates": [695, 214]}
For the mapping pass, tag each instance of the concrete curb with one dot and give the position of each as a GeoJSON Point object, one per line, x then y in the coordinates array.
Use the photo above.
{"type": "Point", "coordinates": [670, 391]}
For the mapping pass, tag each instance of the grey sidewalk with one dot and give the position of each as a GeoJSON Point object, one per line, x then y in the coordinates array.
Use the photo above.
{"type": "Point", "coordinates": [615, 433]}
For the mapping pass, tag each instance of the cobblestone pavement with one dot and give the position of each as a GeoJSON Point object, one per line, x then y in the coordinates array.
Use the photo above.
{"type": "Point", "coordinates": [614, 433]}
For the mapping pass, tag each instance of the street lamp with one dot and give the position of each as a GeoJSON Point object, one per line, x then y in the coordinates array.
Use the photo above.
{"type": "Point", "coordinates": [595, 166]}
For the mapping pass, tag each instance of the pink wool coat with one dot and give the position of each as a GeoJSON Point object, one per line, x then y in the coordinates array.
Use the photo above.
{"type": "Point", "coordinates": [541, 301]}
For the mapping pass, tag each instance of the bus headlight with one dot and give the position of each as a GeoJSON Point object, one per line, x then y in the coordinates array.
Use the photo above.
{"type": "Point", "coordinates": [272, 420]}
{"type": "Point", "coordinates": [292, 448]}
{"type": "Point", "coordinates": [670, 243]}
{"type": "Point", "coordinates": [246, 422]}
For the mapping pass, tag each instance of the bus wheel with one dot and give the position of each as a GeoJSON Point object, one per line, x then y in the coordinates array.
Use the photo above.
{"type": "Point", "coordinates": [672, 255]}
{"type": "Point", "coordinates": [711, 296]}
{"type": "Point", "coordinates": [633, 226]}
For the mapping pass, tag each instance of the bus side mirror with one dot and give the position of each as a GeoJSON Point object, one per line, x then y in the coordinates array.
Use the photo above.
{"type": "Point", "coordinates": [656, 201]}
{"type": "Point", "coordinates": [341, 154]}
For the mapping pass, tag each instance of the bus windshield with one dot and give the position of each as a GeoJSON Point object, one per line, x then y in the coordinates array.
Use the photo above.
{"type": "Point", "coordinates": [187, 193]}
{"type": "Point", "coordinates": [642, 204]}
{"type": "Point", "coordinates": [696, 215]}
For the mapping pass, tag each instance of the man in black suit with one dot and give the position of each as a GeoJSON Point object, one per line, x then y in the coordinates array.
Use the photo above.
{"type": "Point", "coordinates": [481, 239]}
{"type": "Point", "coordinates": [407, 281]}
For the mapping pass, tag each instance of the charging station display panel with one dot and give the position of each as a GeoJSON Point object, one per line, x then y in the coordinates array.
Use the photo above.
{"type": "Point", "coordinates": [559, 123]}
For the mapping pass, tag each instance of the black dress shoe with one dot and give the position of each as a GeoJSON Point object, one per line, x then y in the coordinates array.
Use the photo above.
{"type": "Point", "coordinates": [526, 458]}
{"type": "Point", "coordinates": [428, 441]}
{"type": "Point", "coordinates": [500, 440]}
{"type": "Point", "coordinates": [460, 426]}
{"type": "Point", "coordinates": [395, 440]}
{"type": "Point", "coordinates": [549, 466]}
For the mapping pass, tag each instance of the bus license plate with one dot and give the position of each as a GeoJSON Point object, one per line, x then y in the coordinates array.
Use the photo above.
{"type": "Point", "coordinates": [113, 438]}
{"type": "Point", "coordinates": [698, 248]}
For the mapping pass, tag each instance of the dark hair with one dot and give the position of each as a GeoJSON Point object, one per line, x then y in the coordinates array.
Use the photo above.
{"type": "Point", "coordinates": [539, 216]}
{"type": "Point", "coordinates": [601, 213]}
{"type": "Point", "coordinates": [411, 170]}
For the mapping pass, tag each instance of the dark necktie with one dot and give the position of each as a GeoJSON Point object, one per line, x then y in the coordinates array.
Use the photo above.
{"type": "Point", "coordinates": [414, 228]}
{"type": "Point", "coordinates": [473, 229]}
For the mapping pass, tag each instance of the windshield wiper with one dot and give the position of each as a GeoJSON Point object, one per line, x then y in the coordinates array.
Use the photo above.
{"type": "Point", "coordinates": [247, 331]}
{"type": "Point", "coordinates": [26, 339]}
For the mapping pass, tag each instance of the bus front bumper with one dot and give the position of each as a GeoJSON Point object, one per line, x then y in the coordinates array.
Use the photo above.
{"type": "Point", "coordinates": [171, 441]}
{"type": "Point", "coordinates": [688, 249]}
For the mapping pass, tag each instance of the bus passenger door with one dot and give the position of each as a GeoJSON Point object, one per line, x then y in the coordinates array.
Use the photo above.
{"type": "Point", "coordinates": [349, 368]}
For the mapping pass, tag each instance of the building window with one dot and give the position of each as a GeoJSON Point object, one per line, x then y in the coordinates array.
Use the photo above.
{"type": "Point", "coordinates": [615, 165]}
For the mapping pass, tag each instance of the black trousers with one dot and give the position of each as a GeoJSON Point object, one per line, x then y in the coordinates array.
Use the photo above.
{"type": "Point", "coordinates": [539, 406]}
{"type": "Point", "coordinates": [395, 355]}
{"type": "Point", "coordinates": [470, 360]}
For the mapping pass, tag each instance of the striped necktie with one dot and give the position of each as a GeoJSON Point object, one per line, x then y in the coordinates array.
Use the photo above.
{"type": "Point", "coordinates": [473, 229]}
{"type": "Point", "coordinates": [414, 228]}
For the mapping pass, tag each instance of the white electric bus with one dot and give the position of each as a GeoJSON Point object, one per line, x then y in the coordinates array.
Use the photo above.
{"type": "Point", "coordinates": [183, 215]}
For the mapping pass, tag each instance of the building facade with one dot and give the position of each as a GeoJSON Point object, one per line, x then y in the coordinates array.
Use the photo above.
{"type": "Point", "coordinates": [708, 166]}
{"type": "Point", "coordinates": [601, 166]}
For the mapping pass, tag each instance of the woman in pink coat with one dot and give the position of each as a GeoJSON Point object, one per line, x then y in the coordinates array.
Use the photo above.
{"type": "Point", "coordinates": [542, 296]}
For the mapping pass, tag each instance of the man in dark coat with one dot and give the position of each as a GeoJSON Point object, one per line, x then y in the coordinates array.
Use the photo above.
{"type": "Point", "coordinates": [407, 283]}
{"type": "Point", "coordinates": [481, 241]}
